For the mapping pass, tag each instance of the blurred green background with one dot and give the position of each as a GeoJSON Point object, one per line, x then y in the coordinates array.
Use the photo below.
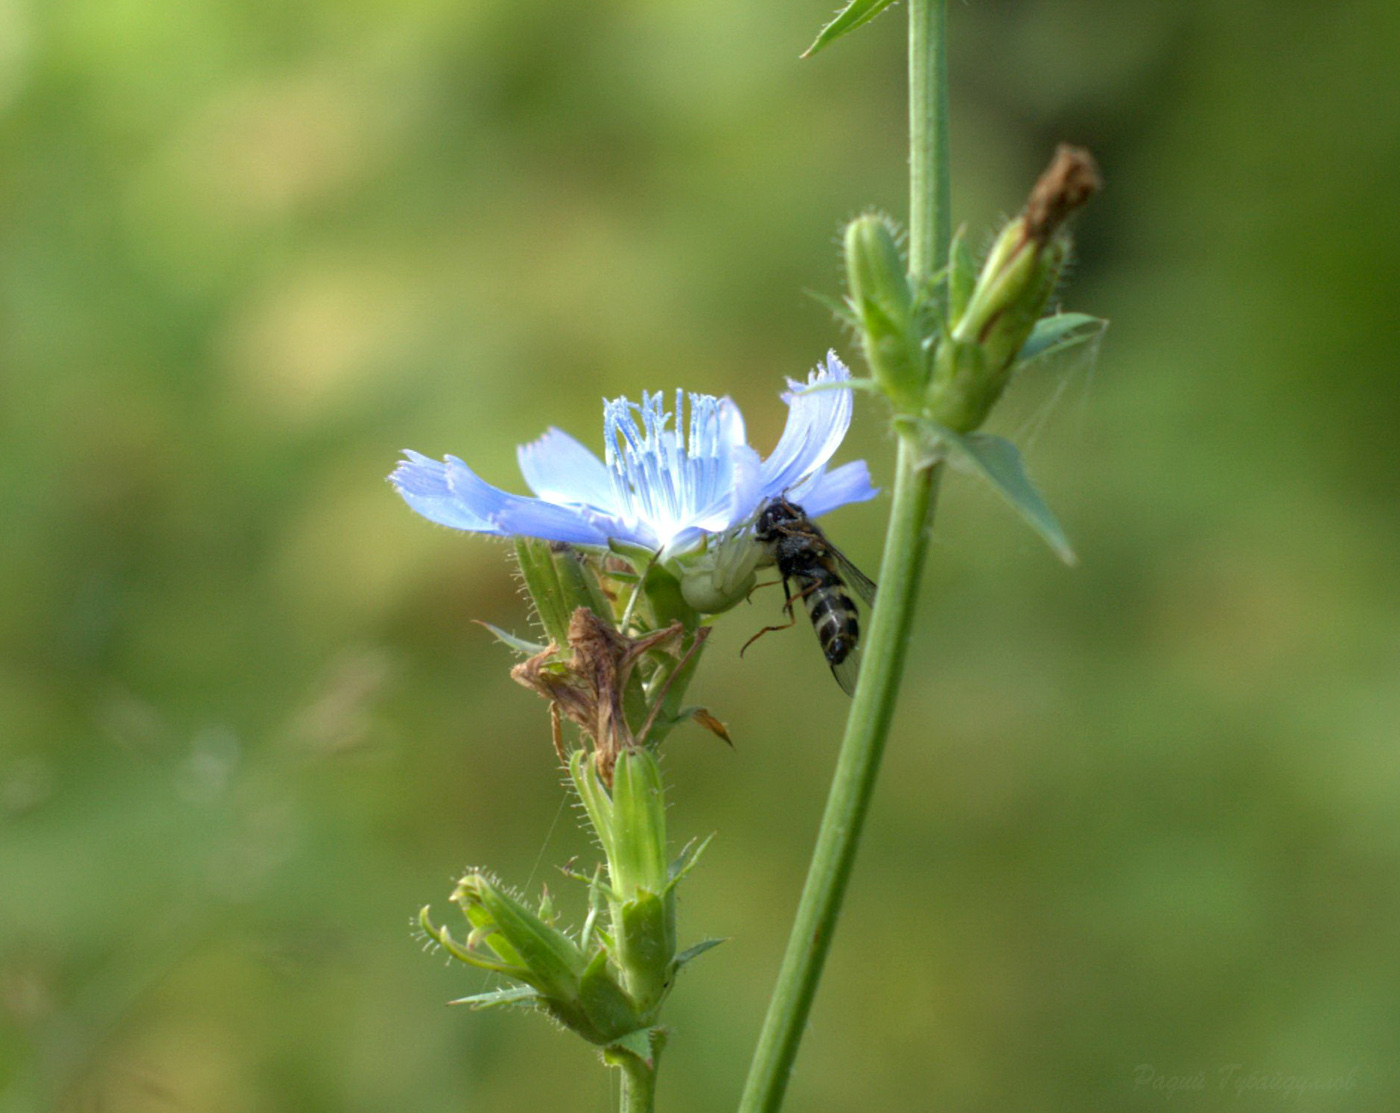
{"type": "Point", "coordinates": [1139, 821]}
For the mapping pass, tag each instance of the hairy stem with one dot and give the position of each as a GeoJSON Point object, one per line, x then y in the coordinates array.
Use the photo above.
{"type": "Point", "coordinates": [930, 189]}
{"type": "Point", "coordinates": [853, 783]}
{"type": "Point", "coordinates": [906, 543]}
{"type": "Point", "coordinates": [638, 1084]}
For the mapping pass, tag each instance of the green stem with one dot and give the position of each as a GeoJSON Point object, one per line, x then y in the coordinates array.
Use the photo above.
{"type": "Point", "coordinates": [638, 1083]}
{"type": "Point", "coordinates": [906, 543]}
{"type": "Point", "coordinates": [930, 190]}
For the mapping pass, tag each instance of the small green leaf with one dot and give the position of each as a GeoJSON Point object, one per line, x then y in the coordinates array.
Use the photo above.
{"type": "Point", "coordinates": [1060, 333]}
{"type": "Point", "coordinates": [512, 995]}
{"type": "Point", "coordinates": [519, 645]}
{"type": "Point", "coordinates": [443, 938]}
{"type": "Point", "coordinates": [645, 945]}
{"type": "Point", "coordinates": [999, 462]}
{"type": "Point", "coordinates": [685, 861]}
{"type": "Point", "coordinates": [695, 952]}
{"type": "Point", "coordinates": [839, 308]}
{"type": "Point", "coordinates": [596, 802]}
{"type": "Point", "coordinates": [855, 14]}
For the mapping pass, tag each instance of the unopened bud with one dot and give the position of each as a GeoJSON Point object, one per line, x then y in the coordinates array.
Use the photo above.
{"type": "Point", "coordinates": [884, 304]}
{"type": "Point", "coordinates": [542, 956]}
{"type": "Point", "coordinates": [1010, 295]}
{"type": "Point", "coordinates": [575, 988]}
{"type": "Point", "coordinates": [631, 825]}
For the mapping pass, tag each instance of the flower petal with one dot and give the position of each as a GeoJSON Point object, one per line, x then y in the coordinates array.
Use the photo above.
{"type": "Point", "coordinates": [744, 493]}
{"type": "Point", "coordinates": [452, 494]}
{"type": "Point", "coordinates": [560, 469]}
{"type": "Point", "coordinates": [731, 423]}
{"type": "Point", "coordinates": [827, 490]}
{"type": "Point", "coordinates": [423, 484]}
{"type": "Point", "coordinates": [817, 422]}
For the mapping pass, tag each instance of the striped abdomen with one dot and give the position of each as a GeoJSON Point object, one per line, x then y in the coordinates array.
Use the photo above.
{"type": "Point", "coordinates": [832, 612]}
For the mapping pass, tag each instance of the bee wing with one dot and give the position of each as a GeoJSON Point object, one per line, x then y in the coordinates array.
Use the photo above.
{"type": "Point", "coordinates": [848, 670]}
{"type": "Point", "coordinates": [857, 580]}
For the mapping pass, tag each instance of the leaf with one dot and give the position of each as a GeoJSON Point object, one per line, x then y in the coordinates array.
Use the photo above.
{"type": "Point", "coordinates": [695, 952]}
{"type": "Point", "coordinates": [838, 307]}
{"type": "Point", "coordinates": [999, 462]}
{"type": "Point", "coordinates": [519, 645]}
{"type": "Point", "coordinates": [855, 14]}
{"type": "Point", "coordinates": [512, 995]}
{"type": "Point", "coordinates": [603, 1000]}
{"type": "Point", "coordinates": [1060, 333]}
{"type": "Point", "coordinates": [685, 862]}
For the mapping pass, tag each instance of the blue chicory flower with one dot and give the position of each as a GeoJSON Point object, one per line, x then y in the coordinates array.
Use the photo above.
{"type": "Point", "coordinates": [659, 486]}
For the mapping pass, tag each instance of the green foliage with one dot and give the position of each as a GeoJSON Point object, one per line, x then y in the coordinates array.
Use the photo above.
{"type": "Point", "coordinates": [999, 462]}
{"type": "Point", "coordinates": [855, 14]}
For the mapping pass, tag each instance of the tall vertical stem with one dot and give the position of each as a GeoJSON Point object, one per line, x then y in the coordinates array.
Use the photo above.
{"type": "Point", "coordinates": [930, 193]}
{"type": "Point", "coordinates": [906, 543]}
{"type": "Point", "coordinates": [853, 782]}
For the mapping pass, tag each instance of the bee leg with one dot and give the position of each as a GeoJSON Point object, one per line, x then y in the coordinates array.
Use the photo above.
{"type": "Point", "coordinates": [767, 630]}
{"type": "Point", "coordinates": [749, 597]}
{"type": "Point", "coordinates": [787, 608]}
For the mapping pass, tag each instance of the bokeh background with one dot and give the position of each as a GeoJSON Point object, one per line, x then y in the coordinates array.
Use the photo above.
{"type": "Point", "coordinates": [1140, 821]}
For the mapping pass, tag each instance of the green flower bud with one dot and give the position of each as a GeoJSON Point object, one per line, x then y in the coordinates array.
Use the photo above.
{"type": "Point", "coordinates": [885, 309]}
{"type": "Point", "coordinates": [631, 825]}
{"type": "Point", "coordinates": [1010, 295]}
{"type": "Point", "coordinates": [721, 575]}
{"type": "Point", "coordinates": [577, 989]}
{"type": "Point", "coordinates": [544, 957]}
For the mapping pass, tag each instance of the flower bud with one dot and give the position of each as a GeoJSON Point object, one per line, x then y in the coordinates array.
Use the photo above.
{"type": "Point", "coordinates": [541, 955]}
{"type": "Point", "coordinates": [577, 990]}
{"type": "Point", "coordinates": [721, 575]}
{"type": "Point", "coordinates": [1010, 295]}
{"type": "Point", "coordinates": [1011, 292]}
{"type": "Point", "coordinates": [884, 305]}
{"type": "Point", "coordinates": [631, 825]}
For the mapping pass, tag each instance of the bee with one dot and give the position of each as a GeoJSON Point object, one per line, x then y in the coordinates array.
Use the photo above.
{"type": "Point", "coordinates": [805, 558]}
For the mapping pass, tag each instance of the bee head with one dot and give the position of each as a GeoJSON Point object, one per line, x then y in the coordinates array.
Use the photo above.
{"type": "Point", "coordinates": [773, 517]}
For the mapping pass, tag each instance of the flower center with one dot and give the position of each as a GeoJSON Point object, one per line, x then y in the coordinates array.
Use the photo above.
{"type": "Point", "coordinates": [659, 477]}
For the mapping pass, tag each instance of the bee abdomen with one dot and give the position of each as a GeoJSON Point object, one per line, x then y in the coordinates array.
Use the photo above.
{"type": "Point", "coordinates": [833, 616]}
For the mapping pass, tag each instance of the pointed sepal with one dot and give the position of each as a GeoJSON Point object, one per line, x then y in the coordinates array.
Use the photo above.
{"type": "Point", "coordinates": [510, 641]}
{"type": "Point", "coordinates": [1059, 335]}
{"type": "Point", "coordinates": [692, 953]}
{"type": "Point", "coordinates": [519, 995]}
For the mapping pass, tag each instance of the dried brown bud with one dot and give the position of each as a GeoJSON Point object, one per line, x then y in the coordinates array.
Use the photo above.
{"type": "Point", "coordinates": [588, 688]}
{"type": "Point", "coordinates": [1068, 182]}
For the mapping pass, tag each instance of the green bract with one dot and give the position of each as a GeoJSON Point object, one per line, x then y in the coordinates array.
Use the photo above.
{"type": "Point", "coordinates": [885, 309]}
